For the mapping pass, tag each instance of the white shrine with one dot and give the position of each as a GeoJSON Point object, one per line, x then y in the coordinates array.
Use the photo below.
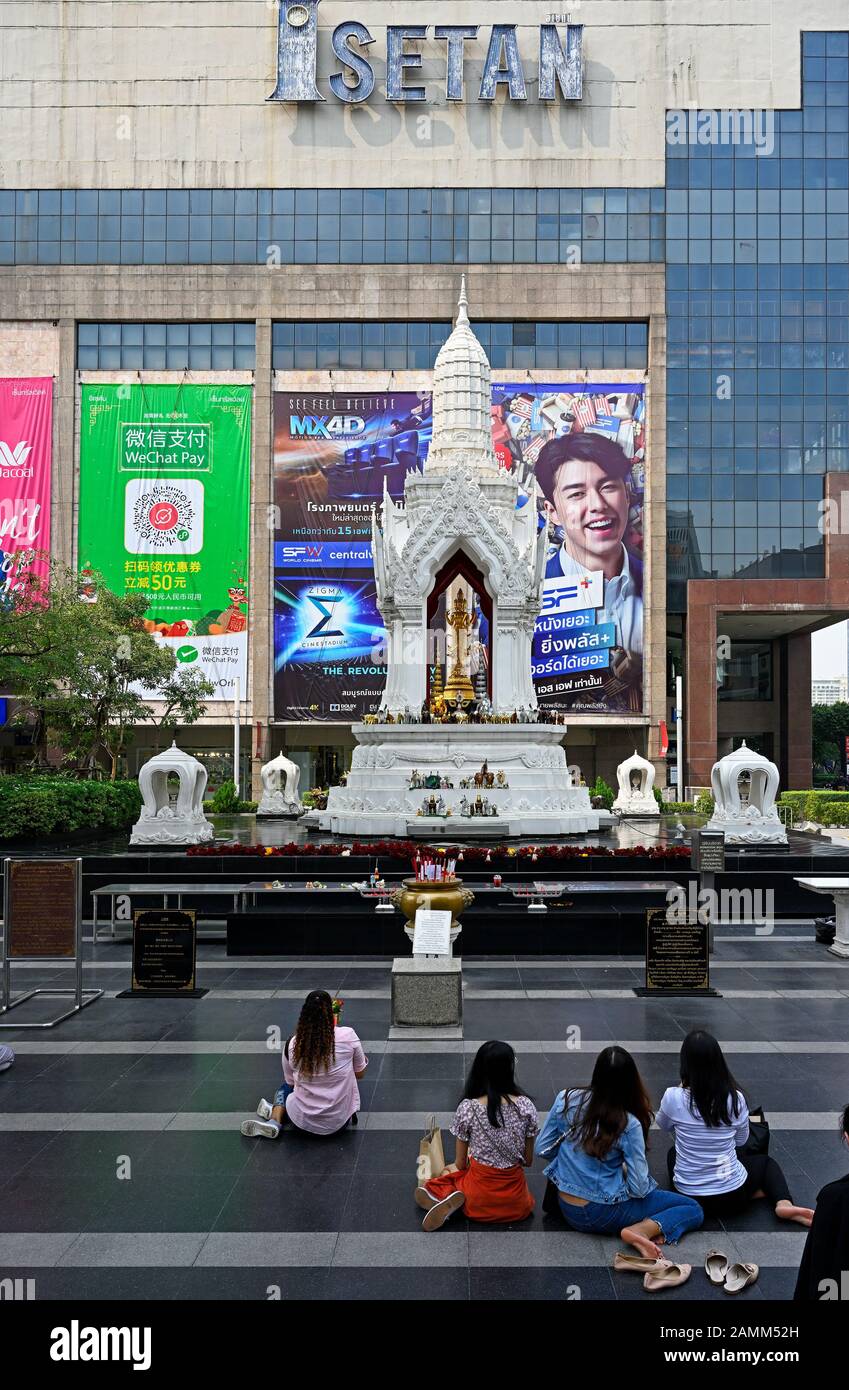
{"type": "Point", "coordinates": [744, 785]}
{"type": "Point", "coordinates": [636, 787]}
{"type": "Point", "coordinates": [172, 815]}
{"type": "Point", "coordinates": [459, 551]}
{"type": "Point", "coordinates": [281, 779]}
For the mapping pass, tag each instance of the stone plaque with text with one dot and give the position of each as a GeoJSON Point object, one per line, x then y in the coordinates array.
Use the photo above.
{"type": "Point", "coordinates": [677, 955]}
{"type": "Point", "coordinates": [43, 907]}
{"type": "Point", "coordinates": [708, 852]}
{"type": "Point", "coordinates": [164, 949]}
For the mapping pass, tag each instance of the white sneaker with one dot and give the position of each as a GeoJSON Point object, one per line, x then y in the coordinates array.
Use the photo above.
{"type": "Point", "coordinates": [264, 1109]}
{"type": "Point", "coordinates": [260, 1129]}
{"type": "Point", "coordinates": [440, 1211]}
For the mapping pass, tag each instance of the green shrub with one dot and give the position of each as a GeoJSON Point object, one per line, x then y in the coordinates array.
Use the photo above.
{"type": "Point", "coordinates": [834, 813]}
{"type": "Point", "coordinates": [704, 804]}
{"type": "Point", "coordinates": [44, 804]}
{"type": "Point", "coordinates": [604, 791]}
{"type": "Point", "coordinates": [227, 802]}
{"type": "Point", "coordinates": [811, 805]}
{"type": "Point", "coordinates": [677, 808]}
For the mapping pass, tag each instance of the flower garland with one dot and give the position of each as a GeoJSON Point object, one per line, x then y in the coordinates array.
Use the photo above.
{"type": "Point", "coordinates": [469, 854]}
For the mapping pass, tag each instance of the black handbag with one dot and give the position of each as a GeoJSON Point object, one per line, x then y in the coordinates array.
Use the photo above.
{"type": "Point", "coordinates": [758, 1140]}
{"type": "Point", "coordinates": [551, 1200]}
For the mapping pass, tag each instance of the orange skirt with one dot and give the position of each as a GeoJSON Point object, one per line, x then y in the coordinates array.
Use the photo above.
{"type": "Point", "coordinates": [492, 1194]}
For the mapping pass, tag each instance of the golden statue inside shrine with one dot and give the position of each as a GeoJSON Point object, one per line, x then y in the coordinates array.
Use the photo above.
{"type": "Point", "coordinates": [461, 620]}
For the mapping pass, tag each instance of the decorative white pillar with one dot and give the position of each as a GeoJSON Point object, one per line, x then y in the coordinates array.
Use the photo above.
{"type": "Point", "coordinates": [280, 781]}
{"type": "Point", "coordinates": [744, 785]}
{"type": "Point", "coordinates": [636, 782]}
{"type": "Point", "coordinates": [166, 822]}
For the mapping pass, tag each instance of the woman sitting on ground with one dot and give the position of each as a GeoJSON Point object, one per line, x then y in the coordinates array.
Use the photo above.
{"type": "Point", "coordinates": [825, 1259]}
{"type": "Point", "coordinates": [322, 1064]}
{"type": "Point", "coordinates": [494, 1126]}
{"type": "Point", "coordinates": [600, 1168]}
{"type": "Point", "coordinates": [709, 1119]}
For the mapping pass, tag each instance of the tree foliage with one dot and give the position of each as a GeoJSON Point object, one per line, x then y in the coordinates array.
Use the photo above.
{"type": "Point", "coordinates": [830, 725]}
{"type": "Point", "coordinates": [83, 669]}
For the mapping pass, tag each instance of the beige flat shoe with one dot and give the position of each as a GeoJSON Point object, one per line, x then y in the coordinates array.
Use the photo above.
{"type": "Point", "coordinates": [639, 1264]}
{"type": "Point", "coordinates": [667, 1276]}
{"type": "Point", "coordinates": [423, 1199]}
{"type": "Point", "coordinates": [739, 1276]}
{"type": "Point", "coordinates": [716, 1266]}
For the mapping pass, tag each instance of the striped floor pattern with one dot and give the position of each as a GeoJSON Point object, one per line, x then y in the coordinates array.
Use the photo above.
{"type": "Point", "coordinates": [123, 1173]}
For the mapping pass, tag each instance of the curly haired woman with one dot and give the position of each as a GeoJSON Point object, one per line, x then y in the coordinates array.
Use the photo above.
{"type": "Point", "coordinates": [321, 1066]}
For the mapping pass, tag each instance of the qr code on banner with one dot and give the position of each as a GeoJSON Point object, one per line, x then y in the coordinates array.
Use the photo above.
{"type": "Point", "coordinates": [163, 517]}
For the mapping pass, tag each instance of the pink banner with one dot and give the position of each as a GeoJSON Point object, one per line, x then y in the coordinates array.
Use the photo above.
{"type": "Point", "coordinates": [26, 435]}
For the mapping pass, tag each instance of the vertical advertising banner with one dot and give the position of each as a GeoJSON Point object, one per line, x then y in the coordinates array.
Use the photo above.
{"type": "Point", "coordinates": [333, 455]}
{"type": "Point", "coordinates": [165, 510]}
{"type": "Point", "coordinates": [26, 441]}
{"type": "Point", "coordinates": [585, 446]}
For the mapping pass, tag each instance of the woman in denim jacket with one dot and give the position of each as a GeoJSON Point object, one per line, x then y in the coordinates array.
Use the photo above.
{"type": "Point", "coordinates": [599, 1168]}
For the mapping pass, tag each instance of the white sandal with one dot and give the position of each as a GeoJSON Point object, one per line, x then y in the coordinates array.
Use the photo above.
{"type": "Point", "coordinates": [739, 1276]}
{"type": "Point", "coordinates": [716, 1266]}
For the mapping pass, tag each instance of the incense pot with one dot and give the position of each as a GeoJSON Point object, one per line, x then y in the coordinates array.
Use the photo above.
{"type": "Point", "coordinates": [448, 896]}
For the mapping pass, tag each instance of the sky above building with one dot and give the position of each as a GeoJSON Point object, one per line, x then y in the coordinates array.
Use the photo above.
{"type": "Point", "coordinates": [828, 652]}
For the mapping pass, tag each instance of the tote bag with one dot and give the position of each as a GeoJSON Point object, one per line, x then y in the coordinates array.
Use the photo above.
{"type": "Point", "coordinates": [431, 1160]}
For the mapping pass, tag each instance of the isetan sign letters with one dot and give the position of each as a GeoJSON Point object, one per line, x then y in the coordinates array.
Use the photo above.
{"type": "Point", "coordinates": [559, 70]}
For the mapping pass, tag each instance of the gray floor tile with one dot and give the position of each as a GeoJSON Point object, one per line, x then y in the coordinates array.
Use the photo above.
{"type": "Point", "coordinates": [133, 1249]}
{"type": "Point", "coordinates": [370, 1250]}
{"type": "Point", "coordinates": [150, 1204]}
{"type": "Point", "coordinates": [262, 1249]}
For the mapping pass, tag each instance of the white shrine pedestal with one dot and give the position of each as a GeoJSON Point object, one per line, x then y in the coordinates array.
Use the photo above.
{"type": "Point", "coordinates": [837, 888]}
{"type": "Point", "coordinates": [539, 799]}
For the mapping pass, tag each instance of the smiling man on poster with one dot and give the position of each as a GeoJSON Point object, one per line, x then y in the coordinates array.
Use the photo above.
{"type": "Point", "coordinates": [585, 480]}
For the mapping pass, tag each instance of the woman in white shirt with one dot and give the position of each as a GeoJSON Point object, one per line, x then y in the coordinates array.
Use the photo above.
{"type": "Point", "coordinates": [709, 1120]}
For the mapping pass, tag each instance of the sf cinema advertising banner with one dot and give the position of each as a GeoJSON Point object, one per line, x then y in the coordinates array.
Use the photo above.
{"type": "Point", "coordinates": [584, 444]}
{"type": "Point", "coordinates": [26, 441]}
{"type": "Point", "coordinates": [164, 510]}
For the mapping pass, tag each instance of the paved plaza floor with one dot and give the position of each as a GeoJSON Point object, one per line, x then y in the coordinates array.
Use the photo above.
{"type": "Point", "coordinates": [123, 1174]}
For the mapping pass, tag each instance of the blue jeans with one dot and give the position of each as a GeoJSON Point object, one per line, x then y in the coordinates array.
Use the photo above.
{"type": "Point", "coordinates": [281, 1097]}
{"type": "Point", "coordinates": [673, 1212]}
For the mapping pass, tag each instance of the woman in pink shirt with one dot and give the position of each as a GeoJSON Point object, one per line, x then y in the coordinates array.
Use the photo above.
{"type": "Point", "coordinates": [321, 1066]}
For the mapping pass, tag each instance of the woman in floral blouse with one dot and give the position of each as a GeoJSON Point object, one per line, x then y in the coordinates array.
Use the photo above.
{"type": "Point", "coordinates": [495, 1127]}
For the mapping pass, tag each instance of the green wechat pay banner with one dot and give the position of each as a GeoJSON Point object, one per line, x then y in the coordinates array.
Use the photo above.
{"type": "Point", "coordinates": [165, 508]}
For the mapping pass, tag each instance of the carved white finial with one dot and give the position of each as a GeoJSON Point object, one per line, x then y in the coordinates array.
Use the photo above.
{"type": "Point", "coordinates": [462, 303]}
{"type": "Point", "coordinates": [462, 402]}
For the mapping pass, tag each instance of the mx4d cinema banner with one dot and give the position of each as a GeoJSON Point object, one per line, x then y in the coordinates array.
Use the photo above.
{"type": "Point", "coordinates": [332, 457]}
{"type": "Point", "coordinates": [26, 438]}
{"type": "Point", "coordinates": [585, 447]}
{"type": "Point", "coordinates": [164, 510]}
